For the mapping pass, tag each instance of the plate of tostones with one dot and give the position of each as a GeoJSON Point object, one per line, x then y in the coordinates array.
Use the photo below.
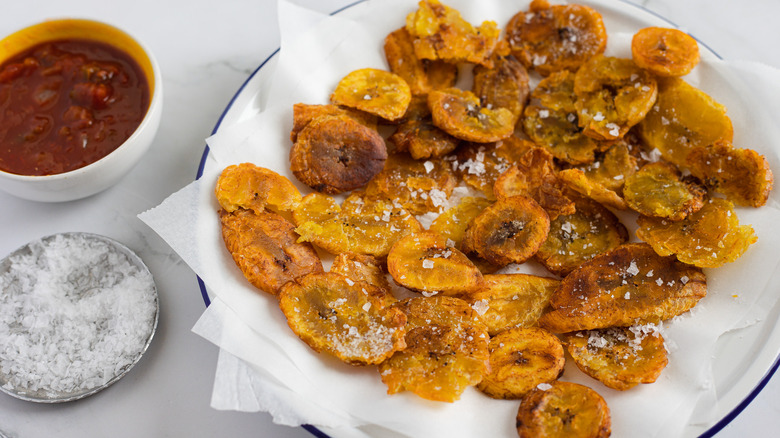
{"type": "Point", "coordinates": [528, 219]}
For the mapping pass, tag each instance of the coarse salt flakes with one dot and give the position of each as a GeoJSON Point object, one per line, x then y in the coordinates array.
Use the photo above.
{"type": "Point", "coordinates": [427, 264]}
{"type": "Point", "coordinates": [76, 312]}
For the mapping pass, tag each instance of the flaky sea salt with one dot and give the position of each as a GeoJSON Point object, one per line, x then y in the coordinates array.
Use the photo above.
{"type": "Point", "coordinates": [75, 312]}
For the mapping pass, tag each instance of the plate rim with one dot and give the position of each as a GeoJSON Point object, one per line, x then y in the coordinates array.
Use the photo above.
{"type": "Point", "coordinates": [710, 432]}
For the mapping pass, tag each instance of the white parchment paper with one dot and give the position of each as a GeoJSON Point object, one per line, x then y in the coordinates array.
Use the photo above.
{"type": "Point", "coordinates": [265, 367]}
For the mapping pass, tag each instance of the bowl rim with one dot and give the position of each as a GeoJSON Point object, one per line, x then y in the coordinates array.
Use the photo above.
{"type": "Point", "coordinates": [155, 82]}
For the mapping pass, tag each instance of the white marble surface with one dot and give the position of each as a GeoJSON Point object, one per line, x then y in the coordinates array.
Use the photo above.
{"type": "Point", "coordinates": [206, 49]}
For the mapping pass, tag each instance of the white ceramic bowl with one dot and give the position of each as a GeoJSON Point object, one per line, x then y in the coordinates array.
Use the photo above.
{"type": "Point", "coordinates": [104, 173]}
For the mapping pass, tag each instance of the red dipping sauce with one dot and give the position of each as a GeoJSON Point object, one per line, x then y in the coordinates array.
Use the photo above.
{"type": "Point", "coordinates": [66, 104]}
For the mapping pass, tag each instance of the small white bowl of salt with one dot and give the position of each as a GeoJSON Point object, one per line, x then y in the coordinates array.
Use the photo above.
{"type": "Point", "coordinates": [77, 312]}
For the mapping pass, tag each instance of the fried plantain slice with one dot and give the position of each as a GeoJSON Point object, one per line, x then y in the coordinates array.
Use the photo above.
{"type": "Point", "coordinates": [460, 114]}
{"type": "Point", "coordinates": [628, 285]}
{"type": "Point", "coordinates": [619, 357]}
{"type": "Point", "coordinates": [613, 94]}
{"type": "Point", "coordinates": [354, 321]}
{"type": "Point", "coordinates": [576, 238]}
{"type": "Point", "coordinates": [480, 164]}
{"type": "Point", "coordinates": [535, 175]}
{"type": "Point", "coordinates": [264, 246]}
{"type": "Point", "coordinates": [422, 75]}
{"type": "Point", "coordinates": [509, 231]}
{"type": "Point", "coordinates": [374, 91]}
{"type": "Point", "coordinates": [423, 262]}
{"type": "Point", "coordinates": [505, 85]}
{"type": "Point", "coordinates": [452, 223]}
{"type": "Point", "coordinates": [255, 188]}
{"type": "Point", "coordinates": [665, 51]}
{"type": "Point", "coordinates": [505, 301]}
{"type": "Point", "coordinates": [441, 33]}
{"type": "Point", "coordinates": [551, 120]}
{"type": "Point", "coordinates": [659, 190]}
{"type": "Point", "coordinates": [361, 267]}
{"type": "Point", "coordinates": [360, 225]}
{"type": "Point", "coordinates": [709, 238]}
{"type": "Point", "coordinates": [521, 359]}
{"type": "Point", "coordinates": [422, 139]}
{"type": "Point", "coordinates": [316, 207]}
{"type": "Point", "coordinates": [742, 175]}
{"type": "Point", "coordinates": [603, 180]}
{"type": "Point", "coordinates": [563, 409]}
{"type": "Point", "coordinates": [682, 118]}
{"type": "Point", "coordinates": [553, 38]}
{"type": "Point", "coordinates": [304, 113]}
{"type": "Point", "coordinates": [337, 154]}
{"type": "Point", "coordinates": [418, 186]}
{"type": "Point", "coordinates": [446, 350]}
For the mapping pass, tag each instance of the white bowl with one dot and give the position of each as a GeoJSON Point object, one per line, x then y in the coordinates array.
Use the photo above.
{"type": "Point", "coordinates": [107, 171]}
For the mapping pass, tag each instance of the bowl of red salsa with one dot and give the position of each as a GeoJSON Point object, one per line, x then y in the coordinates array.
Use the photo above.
{"type": "Point", "coordinates": [80, 102]}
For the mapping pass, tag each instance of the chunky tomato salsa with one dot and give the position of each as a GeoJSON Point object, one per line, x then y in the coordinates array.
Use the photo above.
{"type": "Point", "coordinates": [66, 104]}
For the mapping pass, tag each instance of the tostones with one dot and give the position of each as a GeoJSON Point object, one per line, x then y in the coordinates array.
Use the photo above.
{"type": "Point", "coordinates": [613, 94]}
{"type": "Point", "coordinates": [664, 51]}
{"type": "Point", "coordinates": [354, 321]}
{"type": "Point", "coordinates": [521, 359]}
{"type": "Point", "coordinates": [619, 357]}
{"type": "Point", "coordinates": [446, 350]}
{"type": "Point", "coordinates": [505, 85]}
{"type": "Point", "coordinates": [659, 190]}
{"type": "Point", "coordinates": [264, 246]}
{"type": "Point", "coordinates": [460, 114]}
{"type": "Point", "coordinates": [628, 285]}
{"type": "Point", "coordinates": [304, 113]}
{"type": "Point", "coordinates": [709, 238]}
{"type": "Point", "coordinates": [682, 118]}
{"type": "Point", "coordinates": [337, 154]}
{"type": "Point", "coordinates": [255, 188]}
{"type": "Point", "coordinates": [554, 38]}
{"type": "Point", "coordinates": [422, 75]}
{"type": "Point", "coordinates": [563, 409]}
{"type": "Point", "coordinates": [361, 267]}
{"type": "Point", "coordinates": [480, 164]}
{"type": "Point", "coordinates": [742, 175]}
{"type": "Point", "coordinates": [374, 91]}
{"type": "Point", "coordinates": [422, 139]}
{"type": "Point", "coordinates": [454, 221]}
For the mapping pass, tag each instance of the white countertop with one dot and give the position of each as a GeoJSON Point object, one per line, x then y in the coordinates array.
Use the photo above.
{"type": "Point", "coordinates": [206, 49]}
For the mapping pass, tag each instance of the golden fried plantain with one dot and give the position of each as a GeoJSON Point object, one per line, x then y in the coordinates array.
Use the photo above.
{"type": "Point", "coordinates": [264, 246]}
{"type": "Point", "coordinates": [708, 238]}
{"type": "Point", "coordinates": [361, 267]}
{"type": "Point", "coordinates": [422, 139]}
{"type": "Point", "coordinates": [628, 285]}
{"type": "Point", "coordinates": [505, 85]}
{"type": "Point", "coordinates": [553, 38]}
{"type": "Point", "coordinates": [452, 223]}
{"type": "Point", "coordinates": [446, 350]}
{"type": "Point", "coordinates": [422, 75]}
{"type": "Point", "coordinates": [551, 120]}
{"type": "Point", "coordinates": [535, 175]}
{"type": "Point", "coordinates": [423, 262]}
{"type": "Point", "coordinates": [619, 357]}
{"type": "Point", "coordinates": [506, 301]}
{"type": "Point", "coordinates": [480, 164]}
{"type": "Point", "coordinates": [576, 238]}
{"type": "Point", "coordinates": [361, 225]}
{"type": "Point", "coordinates": [353, 321]}
{"type": "Point", "coordinates": [563, 410]}
{"type": "Point", "coordinates": [460, 114]}
{"type": "Point", "coordinates": [255, 188]}
{"type": "Point", "coordinates": [337, 154]}
{"type": "Point", "coordinates": [441, 33]}
{"type": "Point", "coordinates": [613, 94]}
{"type": "Point", "coordinates": [682, 118]}
{"type": "Point", "coordinates": [418, 186]}
{"type": "Point", "coordinates": [659, 190]}
{"type": "Point", "coordinates": [304, 113]}
{"type": "Point", "coordinates": [742, 175]}
{"type": "Point", "coordinates": [665, 51]}
{"type": "Point", "coordinates": [316, 207]}
{"type": "Point", "coordinates": [374, 91]}
{"type": "Point", "coordinates": [509, 231]}
{"type": "Point", "coordinates": [521, 359]}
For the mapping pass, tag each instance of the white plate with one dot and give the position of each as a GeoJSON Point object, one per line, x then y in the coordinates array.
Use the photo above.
{"type": "Point", "coordinates": [744, 361]}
